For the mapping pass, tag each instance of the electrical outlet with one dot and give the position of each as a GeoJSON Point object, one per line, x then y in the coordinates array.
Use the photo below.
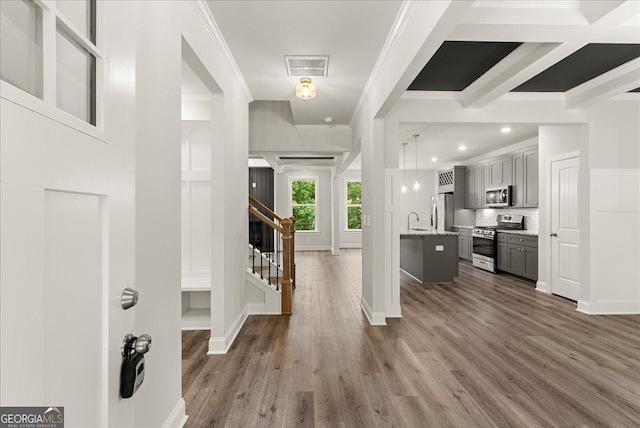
{"type": "Point", "coordinates": [439, 247]}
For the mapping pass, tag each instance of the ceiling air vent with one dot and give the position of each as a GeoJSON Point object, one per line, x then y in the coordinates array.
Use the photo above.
{"type": "Point", "coordinates": [306, 66]}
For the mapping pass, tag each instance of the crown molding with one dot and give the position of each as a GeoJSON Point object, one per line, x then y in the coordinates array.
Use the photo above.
{"type": "Point", "coordinates": [212, 27]}
{"type": "Point", "coordinates": [392, 40]}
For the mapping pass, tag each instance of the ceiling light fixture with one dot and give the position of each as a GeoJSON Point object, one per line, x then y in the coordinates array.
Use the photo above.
{"type": "Point", "coordinates": [328, 119]}
{"type": "Point", "coordinates": [403, 188]}
{"type": "Point", "coordinates": [505, 130]}
{"type": "Point", "coordinates": [306, 90]}
{"type": "Point", "coordinates": [434, 159]}
{"type": "Point", "coordinates": [416, 183]}
{"type": "Point", "coordinates": [462, 148]}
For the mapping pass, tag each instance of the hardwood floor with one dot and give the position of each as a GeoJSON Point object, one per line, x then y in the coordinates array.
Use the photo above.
{"type": "Point", "coordinates": [485, 351]}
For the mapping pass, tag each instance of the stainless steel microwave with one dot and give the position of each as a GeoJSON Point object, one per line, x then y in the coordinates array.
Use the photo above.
{"type": "Point", "coordinates": [498, 196]}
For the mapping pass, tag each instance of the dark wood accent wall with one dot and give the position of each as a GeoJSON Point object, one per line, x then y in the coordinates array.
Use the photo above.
{"type": "Point", "coordinates": [260, 235]}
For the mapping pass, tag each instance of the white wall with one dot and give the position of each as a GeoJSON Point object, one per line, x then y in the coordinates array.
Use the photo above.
{"type": "Point", "coordinates": [418, 202]}
{"type": "Point", "coordinates": [321, 238]}
{"type": "Point", "coordinates": [160, 29]}
{"type": "Point", "coordinates": [348, 238]}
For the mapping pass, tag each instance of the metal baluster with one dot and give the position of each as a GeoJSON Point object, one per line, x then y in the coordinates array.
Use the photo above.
{"type": "Point", "coordinates": [270, 263]}
{"type": "Point", "coordinates": [261, 270]}
{"type": "Point", "coordinates": [253, 249]}
{"type": "Point", "coordinates": [278, 261]}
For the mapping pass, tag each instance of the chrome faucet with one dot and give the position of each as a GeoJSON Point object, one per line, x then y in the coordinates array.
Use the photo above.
{"type": "Point", "coordinates": [409, 217]}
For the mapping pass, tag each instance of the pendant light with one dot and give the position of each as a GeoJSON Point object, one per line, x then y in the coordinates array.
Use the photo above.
{"type": "Point", "coordinates": [416, 182]}
{"type": "Point", "coordinates": [306, 90]}
{"type": "Point", "coordinates": [403, 189]}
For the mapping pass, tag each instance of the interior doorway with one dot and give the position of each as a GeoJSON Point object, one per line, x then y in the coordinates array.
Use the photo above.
{"type": "Point", "coordinates": [564, 226]}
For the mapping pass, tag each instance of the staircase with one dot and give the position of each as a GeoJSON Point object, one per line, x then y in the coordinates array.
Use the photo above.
{"type": "Point", "coordinates": [273, 269]}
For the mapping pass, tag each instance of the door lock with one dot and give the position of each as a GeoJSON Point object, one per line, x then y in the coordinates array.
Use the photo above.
{"type": "Point", "coordinates": [554, 234]}
{"type": "Point", "coordinates": [132, 373]}
{"type": "Point", "coordinates": [129, 298]}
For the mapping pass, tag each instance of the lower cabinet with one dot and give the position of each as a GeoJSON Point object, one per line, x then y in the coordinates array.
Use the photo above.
{"type": "Point", "coordinates": [518, 255]}
{"type": "Point", "coordinates": [465, 243]}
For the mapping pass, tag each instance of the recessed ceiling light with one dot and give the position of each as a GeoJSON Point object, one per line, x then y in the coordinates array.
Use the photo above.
{"type": "Point", "coordinates": [328, 119]}
{"type": "Point", "coordinates": [434, 159]}
{"type": "Point", "coordinates": [462, 148]}
{"type": "Point", "coordinates": [505, 130]}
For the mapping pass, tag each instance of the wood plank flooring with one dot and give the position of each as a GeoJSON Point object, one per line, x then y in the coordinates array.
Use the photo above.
{"type": "Point", "coordinates": [485, 351]}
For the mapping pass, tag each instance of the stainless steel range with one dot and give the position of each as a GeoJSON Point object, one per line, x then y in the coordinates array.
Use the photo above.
{"type": "Point", "coordinates": [485, 240]}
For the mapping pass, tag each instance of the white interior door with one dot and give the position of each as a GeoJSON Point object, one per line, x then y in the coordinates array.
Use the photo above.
{"type": "Point", "coordinates": [565, 228]}
{"type": "Point", "coordinates": [66, 235]}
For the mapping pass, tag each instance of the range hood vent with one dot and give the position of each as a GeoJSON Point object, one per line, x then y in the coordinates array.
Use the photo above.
{"type": "Point", "coordinates": [307, 66]}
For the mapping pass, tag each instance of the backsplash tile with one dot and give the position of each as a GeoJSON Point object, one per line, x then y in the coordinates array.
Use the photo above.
{"type": "Point", "coordinates": [487, 217]}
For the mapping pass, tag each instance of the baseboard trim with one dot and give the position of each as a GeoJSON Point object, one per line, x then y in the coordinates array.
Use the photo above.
{"type": "Point", "coordinates": [313, 247]}
{"type": "Point", "coordinates": [609, 307]}
{"type": "Point", "coordinates": [393, 311]}
{"type": "Point", "coordinates": [178, 416]}
{"type": "Point", "coordinates": [221, 345]}
{"type": "Point", "coordinates": [375, 318]}
{"type": "Point", "coordinates": [335, 252]}
{"type": "Point", "coordinates": [350, 245]}
{"type": "Point", "coordinates": [259, 309]}
{"type": "Point", "coordinates": [542, 287]}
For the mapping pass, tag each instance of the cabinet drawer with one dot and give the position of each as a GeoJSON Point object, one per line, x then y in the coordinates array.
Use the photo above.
{"type": "Point", "coordinates": [503, 237]}
{"type": "Point", "coordinates": [529, 241]}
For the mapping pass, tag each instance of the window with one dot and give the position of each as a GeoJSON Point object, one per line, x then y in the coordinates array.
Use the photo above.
{"type": "Point", "coordinates": [21, 45]}
{"type": "Point", "coordinates": [304, 203]}
{"type": "Point", "coordinates": [61, 39]}
{"type": "Point", "coordinates": [354, 205]}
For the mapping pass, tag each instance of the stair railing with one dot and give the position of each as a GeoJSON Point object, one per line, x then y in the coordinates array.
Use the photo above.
{"type": "Point", "coordinates": [285, 232]}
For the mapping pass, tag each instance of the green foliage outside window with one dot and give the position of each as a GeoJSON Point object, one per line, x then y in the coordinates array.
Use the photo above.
{"type": "Point", "coordinates": [303, 204]}
{"type": "Point", "coordinates": [354, 205]}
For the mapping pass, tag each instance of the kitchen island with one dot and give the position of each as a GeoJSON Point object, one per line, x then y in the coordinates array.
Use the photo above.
{"type": "Point", "coordinates": [429, 256]}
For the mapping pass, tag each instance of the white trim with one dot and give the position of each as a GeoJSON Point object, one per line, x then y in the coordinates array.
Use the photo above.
{"type": "Point", "coordinates": [375, 318]}
{"type": "Point", "coordinates": [542, 287]}
{"type": "Point", "coordinates": [178, 417]}
{"type": "Point", "coordinates": [221, 345]}
{"type": "Point", "coordinates": [393, 311]}
{"type": "Point", "coordinates": [627, 96]}
{"type": "Point", "coordinates": [335, 252]}
{"type": "Point", "coordinates": [259, 309]}
{"type": "Point", "coordinates": [351, 244]}
{"type": "Point", "coordinates": [390, 43]}
{"type": "Point", "coordinates": [432, 95]}
{"type": "Point", "coordinates": [210, 23]}
{"type": "Point", "coordinates": [612, 307]}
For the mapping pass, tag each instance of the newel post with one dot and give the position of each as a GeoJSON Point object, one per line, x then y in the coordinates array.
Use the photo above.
{"type": "Point", "coordinates": [287, 245]}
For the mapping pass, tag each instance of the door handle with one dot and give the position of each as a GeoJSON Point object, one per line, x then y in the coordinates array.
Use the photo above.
{"type": "Point", "coordinates": [554, 234]}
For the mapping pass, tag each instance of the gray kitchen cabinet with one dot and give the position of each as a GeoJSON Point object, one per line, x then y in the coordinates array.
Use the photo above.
{"type": "Point", "coordinates": [464, 243]}
{"type": "Point", "coordinates": [486, 177]}
{"type": "Point", "coordinates": [478, 191]}
{"type": "Point", "coordinates": [500, 172]}
{"type": "Point", "coordinates": [531, 176]}
{"type": "Point", "coordinates": [469, 196]}
{"type": "Point", "coordinates": [517, 192]}
{"type": "Point", "coordinates": [518, 255]}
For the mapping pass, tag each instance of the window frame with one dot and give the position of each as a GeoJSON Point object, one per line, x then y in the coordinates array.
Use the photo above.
{"type": "Point", "coordinates": [52, 19]}
{"type": "Point", "coordinates": [347, 205]}
{"type": "Point", "coordinates": [316, 179]}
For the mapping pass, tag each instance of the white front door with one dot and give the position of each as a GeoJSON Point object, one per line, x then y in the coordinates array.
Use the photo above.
{"type": "Point", "coordinates": [565, 228]}
{"type": "Point", "coordinates": [67, 227]}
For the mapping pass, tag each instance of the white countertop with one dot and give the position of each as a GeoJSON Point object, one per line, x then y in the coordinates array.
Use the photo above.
{"type": "Point", "coordinates": [464, 226]}
{"type": "Point", "coordinates": [412, 232]}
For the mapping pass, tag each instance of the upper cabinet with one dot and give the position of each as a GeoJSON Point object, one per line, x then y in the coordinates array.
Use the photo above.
{"type": "Point", "coordinates": [519, 170]}
{"type": "Point", "coordinates": [525, 179]}
{"type": "Point", "coordinates": [531, 177]}
{"type": "Point", "coordinates": [500, 172]}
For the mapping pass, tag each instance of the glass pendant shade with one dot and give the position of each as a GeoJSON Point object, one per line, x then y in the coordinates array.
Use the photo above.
{"type": "Point", "coordinates": [403, 189]}
{"type": "Point", "coordinates": [306, 90]}
{"type": "Point", "coordinates": [416, 185]}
